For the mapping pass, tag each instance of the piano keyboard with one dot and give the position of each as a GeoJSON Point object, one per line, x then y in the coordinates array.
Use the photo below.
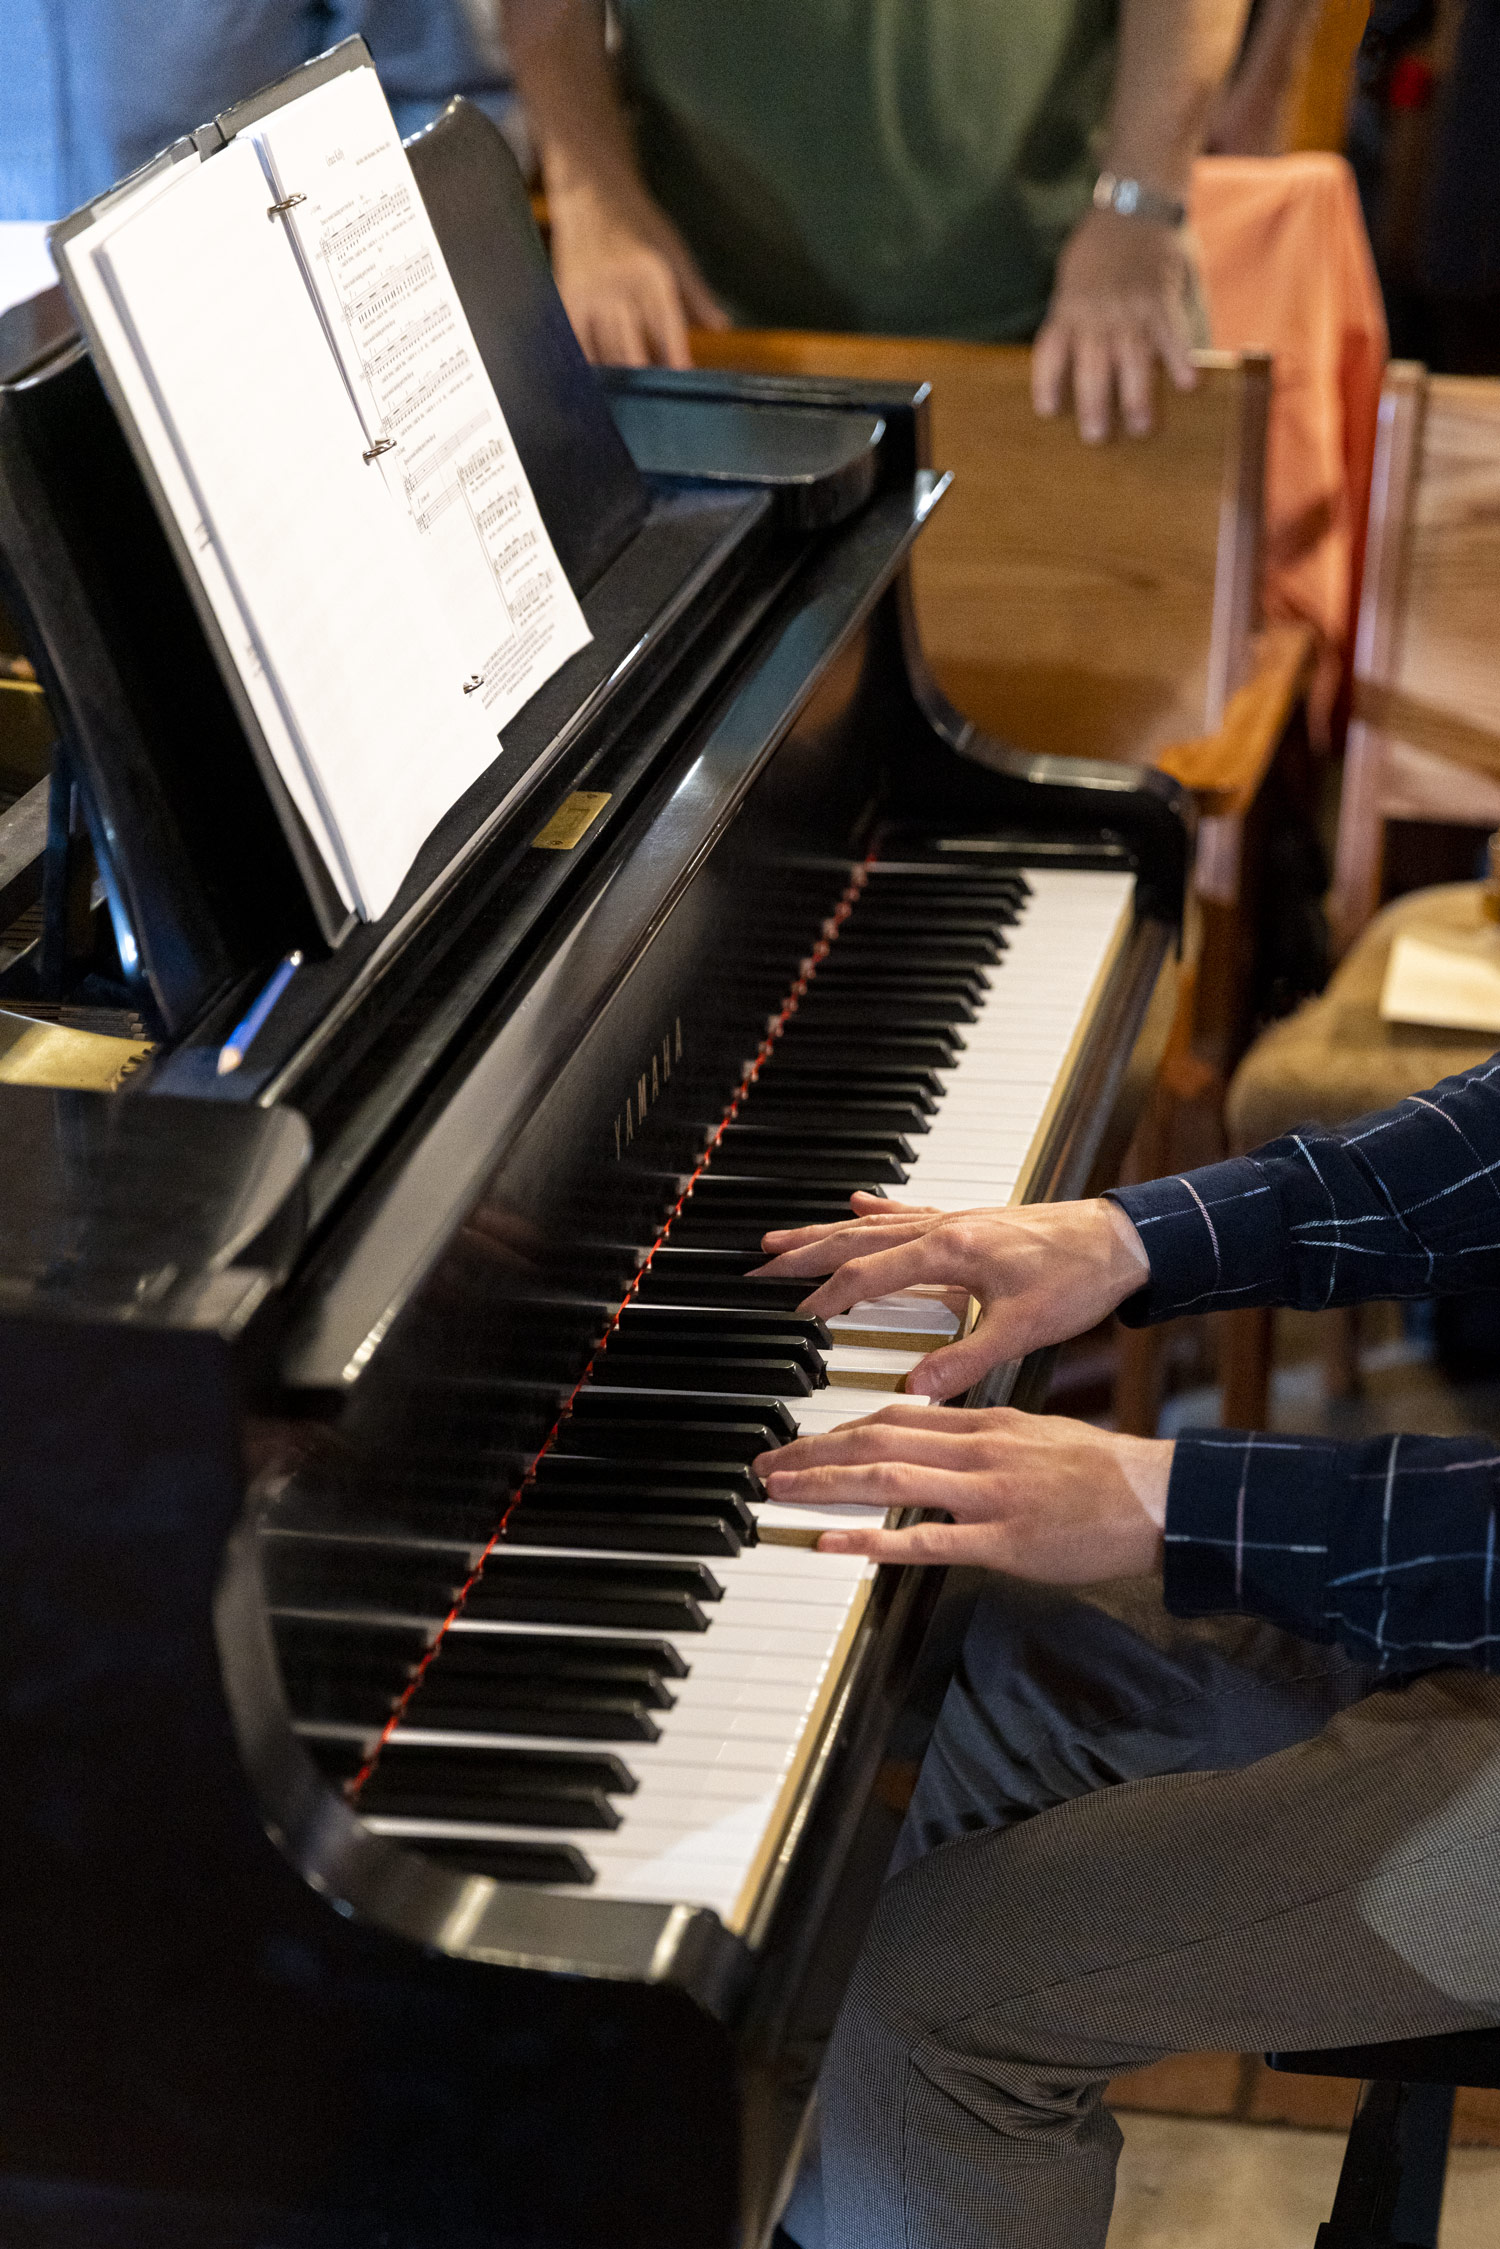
{"type": "Point", "coordinates": [622, 1690]}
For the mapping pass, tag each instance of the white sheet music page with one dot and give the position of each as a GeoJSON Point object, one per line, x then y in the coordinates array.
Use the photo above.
{"type": "Point", "coordinates": [345, 618]}
{"type": "Point", "coordinates": [92, 294]}
{"type": "Point", "coordinates": [373, 259]}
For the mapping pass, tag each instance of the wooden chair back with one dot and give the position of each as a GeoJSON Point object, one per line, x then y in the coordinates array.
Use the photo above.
{"type": "Point", "coordinates": [1096, 601]}
{"type": "Point", "coordinates": [1424, 738]}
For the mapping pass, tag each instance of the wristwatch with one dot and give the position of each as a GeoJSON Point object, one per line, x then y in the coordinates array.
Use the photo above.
{"type": "Point", "coordinates": [1132, 199]}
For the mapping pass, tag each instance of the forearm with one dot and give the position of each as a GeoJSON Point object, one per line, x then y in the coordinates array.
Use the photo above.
{"type": "Point", "coordinates": [557, 51]}
{"type": "Point", "coordinates": [1402, 1203]}
{"type": "Point", "coordinates": [1386, 1547]}
{"type": "Point", "coordinates": [1173, 56]}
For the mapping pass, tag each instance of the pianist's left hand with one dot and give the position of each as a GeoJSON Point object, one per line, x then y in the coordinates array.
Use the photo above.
{"type": "Point", "coordinates": [1042, 1272]}
{"type": "Point", "coordinates": [1031, 1494]}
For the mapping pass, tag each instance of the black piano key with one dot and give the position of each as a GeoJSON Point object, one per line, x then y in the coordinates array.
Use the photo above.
{"type": "Point", "coordinates": [810, 1166]}
{"type": "Point", "coordinates": [746, 1233]}
{"type": "Point", "coordinates": [867, 1076]}
{"type": "Point", "coordinates": [1004, 900]}
{"type": "Point", "coordinates": [738, 1221]}
{"type": "Point", "coordinates": [928, 920]}
{"type": "Point", "coordinates": [913, 946]}
{"type": "Point", "coordinates": [846, 1007]}
{"type": "Point", "coordinates": [717, 1338]}
{"type": "Point", "coordinates": [512, 1787]}
{"type": "Point", "coordinates": [737, 1190]}
{"type": "Point", "coordinates": [626, 1490]}
{"type": "Point", "coordinates": [701, 1292]}
{"type": "Point", "coordinates": [594, 1408]}
{"type": "Point", "coordinates": [708, 1446]}
{"type": "Point", "coordinates": [346, 1678]}
{"type": "Point", "coordinates": [948, 873]}
{"type": "Point", "coordinates": [336, 1679]}
{"type": "Point", "coordinates": [736, 1320]}
{"type": "Point", "coordinates": [674, 1265]}
{"type": "Point", "coordinates": [766, 1143]}
{"type": "Point", "coordinates": [472, 1648]}
{"type": "Point", "coordinates": [405, 1578]}
{"type": "Point", "coordinates": [633, 1532]}
{"type": "Point", "coordinates": [507, 1861]}
{"type": "Point", "coordinates": [932, 1050]}
{"type": "Point", "coordinates": [816, 1112]}
{"type": "Point", "coordinates": [768, 1377]}
{"type": "Point", "coordinates": [602, 1709]}
{"type": "Point", "coordinates": [599, 1465]}
{"type": "Point", "coordinates": [901, 985]}
{"type": "Point", "coordinates": [316, 1697]}
{"type": "Point", "coordinates": [603, 1467]}
{"type": "Point", "coordinates": [652, 1596]}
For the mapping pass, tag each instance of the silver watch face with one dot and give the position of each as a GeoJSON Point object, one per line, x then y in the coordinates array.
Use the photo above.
{"type": "Point", "coordinates": [1127, 197]}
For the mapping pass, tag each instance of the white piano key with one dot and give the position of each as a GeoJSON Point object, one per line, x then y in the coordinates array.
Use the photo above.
{"type": "Point", "coordinates": [844, 1359]}
{"type": "Point", "coordinates": [907, 1312]}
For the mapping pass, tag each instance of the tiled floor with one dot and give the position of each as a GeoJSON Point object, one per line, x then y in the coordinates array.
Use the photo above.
{"type": "Point", "coordinates": [1195, 2183]}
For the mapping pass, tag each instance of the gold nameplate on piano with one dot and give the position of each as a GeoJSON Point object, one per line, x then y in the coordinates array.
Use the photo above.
{"type": "Point", "coordinates": [50, 1054]}
{"type": "Point", "coordinates": [571, 821]}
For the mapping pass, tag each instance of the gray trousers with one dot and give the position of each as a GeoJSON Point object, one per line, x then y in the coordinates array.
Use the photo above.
{"type": "Point", "coordinates": [1136, 1836]}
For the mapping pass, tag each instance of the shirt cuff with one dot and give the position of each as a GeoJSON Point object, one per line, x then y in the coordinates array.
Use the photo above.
{"type": "Point", "coordinates": [1249, 1520]}
{"type": "Point", "coordinates": [1214, 1237]}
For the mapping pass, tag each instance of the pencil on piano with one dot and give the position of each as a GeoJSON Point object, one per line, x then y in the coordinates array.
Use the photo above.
{"type": "Point", "coordinates": [232, 1053]}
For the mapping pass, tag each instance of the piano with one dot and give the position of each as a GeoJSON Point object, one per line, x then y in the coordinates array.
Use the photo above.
{"type": "Point", "coordinates": [442, 1797]}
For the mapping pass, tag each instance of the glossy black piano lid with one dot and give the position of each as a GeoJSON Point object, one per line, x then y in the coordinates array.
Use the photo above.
{"type": "Point", "coordinates": [119, 1209]}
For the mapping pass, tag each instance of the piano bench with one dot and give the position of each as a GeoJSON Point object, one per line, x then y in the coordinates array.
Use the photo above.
{"type": "Point", "coordinates": [1390, 2190]}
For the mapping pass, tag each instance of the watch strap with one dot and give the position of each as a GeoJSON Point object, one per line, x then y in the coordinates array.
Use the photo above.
{"type": "Point", "coordinates": [1132, 199]}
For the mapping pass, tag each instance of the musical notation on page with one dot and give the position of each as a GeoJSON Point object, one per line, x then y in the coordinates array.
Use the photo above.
{"type": "Point", "coordinates": [433, 427]}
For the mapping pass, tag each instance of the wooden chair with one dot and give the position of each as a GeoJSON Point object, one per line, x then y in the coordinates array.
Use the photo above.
{"type": "Point", "coordinates": [1094, 601]}
{"type": "Point", "coordinates": [1102, 602]}
{"type": "Point", "coordinates": [1424, 745]}
{"type": "Point", "coordinates": [1424, 740]}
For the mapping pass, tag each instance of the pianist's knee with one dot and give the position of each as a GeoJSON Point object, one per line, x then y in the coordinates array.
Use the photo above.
{"type": "Point", "coordinates": [953, 2096]}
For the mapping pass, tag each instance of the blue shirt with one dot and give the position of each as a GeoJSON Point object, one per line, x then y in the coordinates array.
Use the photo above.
{"type": "Point", "coordinates": [1388, 1546]}
{"type": "Point", "coordinates": [89, 89]}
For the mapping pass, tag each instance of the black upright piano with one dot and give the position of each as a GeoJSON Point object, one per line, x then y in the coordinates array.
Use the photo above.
{"type": "Point", "coordinates": [440, 1800]}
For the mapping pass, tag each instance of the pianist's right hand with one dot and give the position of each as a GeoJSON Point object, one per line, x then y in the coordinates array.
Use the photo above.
{"type": "Point", "coordinates": [1041, 1273]}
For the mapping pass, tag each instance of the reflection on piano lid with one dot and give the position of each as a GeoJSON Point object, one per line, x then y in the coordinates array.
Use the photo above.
{"type": "Point", "coordinates": [433, 1768]}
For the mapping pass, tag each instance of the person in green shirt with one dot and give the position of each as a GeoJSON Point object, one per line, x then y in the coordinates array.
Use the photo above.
{"type": "Point", "coordinates": [991, 169]}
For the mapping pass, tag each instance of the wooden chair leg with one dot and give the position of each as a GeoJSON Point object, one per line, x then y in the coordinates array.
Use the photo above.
{"type": "Point", "coordinates": [1341, 1352]}
{"type": "Point", "coordinates": [1138, 1381]}
{"type": "Point", "coordinates": [1245, 1368]}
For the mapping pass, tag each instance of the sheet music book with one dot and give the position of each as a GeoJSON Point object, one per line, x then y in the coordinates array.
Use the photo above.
{"type": "Point", "coordinates": [1453, 984]}
{"type": "Point", "coordinates": [283, 332]}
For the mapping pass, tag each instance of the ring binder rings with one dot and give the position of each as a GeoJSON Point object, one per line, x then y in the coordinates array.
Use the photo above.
{"type": "Point", "coordinates": [285, 204]}
{"type": "Point", "coordinates": [381, 445]}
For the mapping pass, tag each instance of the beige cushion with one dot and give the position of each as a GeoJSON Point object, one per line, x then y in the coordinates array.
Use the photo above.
{"type": "Point", "coordinates": [1334, 1059]}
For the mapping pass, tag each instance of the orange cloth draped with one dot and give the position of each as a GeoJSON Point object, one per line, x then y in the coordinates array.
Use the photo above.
{"type": "Point", "coordinates": [1287, 269]}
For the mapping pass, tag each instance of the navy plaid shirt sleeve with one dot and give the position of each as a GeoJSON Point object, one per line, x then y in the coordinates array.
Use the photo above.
{"type": "Point", "coordinates": [1387, 1546]}
{"type": "Point", "coordinates": [1403, 1203]}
